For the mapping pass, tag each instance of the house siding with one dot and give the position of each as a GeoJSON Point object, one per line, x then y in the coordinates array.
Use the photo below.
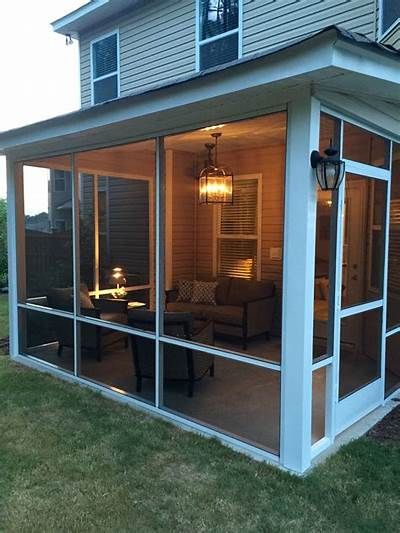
{"type": "Point", "coordinates": [273, 23]}
{"type": "Point", "coordinates": [157, 40]}
{"type": "Point", "coordinates": [157, 43]}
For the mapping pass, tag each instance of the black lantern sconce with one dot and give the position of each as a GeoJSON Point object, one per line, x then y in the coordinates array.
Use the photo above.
{"type": "Point", "coordinates": [329, 170]}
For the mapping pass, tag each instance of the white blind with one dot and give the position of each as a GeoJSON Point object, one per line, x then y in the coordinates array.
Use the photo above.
{"type": "Point", "coordinates": [394, 247]}
{"type": "Point", "coordinates": [238, 232]}
{"type": "Point", "coordinates": [105, 56]}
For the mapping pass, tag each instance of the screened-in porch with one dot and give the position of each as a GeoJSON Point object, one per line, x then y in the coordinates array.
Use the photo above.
{"type": "Point", "coordinates": [182, 257]}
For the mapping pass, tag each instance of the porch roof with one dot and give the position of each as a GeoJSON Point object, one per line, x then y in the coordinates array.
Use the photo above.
{"type": "Point", "coordinates": [333, 60]}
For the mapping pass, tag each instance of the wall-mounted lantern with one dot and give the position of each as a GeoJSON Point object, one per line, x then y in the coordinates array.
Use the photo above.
{"type": "Point", "coordinates": [215, 181]}
{"type": "Point", "coordinates": [329, 170]}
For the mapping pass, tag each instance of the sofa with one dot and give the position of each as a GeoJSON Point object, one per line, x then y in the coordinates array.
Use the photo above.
{"type": "Point", "coordinates": [243, 308]}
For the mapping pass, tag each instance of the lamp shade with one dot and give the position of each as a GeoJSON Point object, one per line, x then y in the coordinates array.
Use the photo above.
{"type": "Point", "coordinates": [117, 276]}
{"type": "Point", "coordinates": [215, 185]}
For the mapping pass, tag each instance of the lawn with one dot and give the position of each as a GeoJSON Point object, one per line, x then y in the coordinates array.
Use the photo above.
{"type": "Point", "coordinates": [71, 460]}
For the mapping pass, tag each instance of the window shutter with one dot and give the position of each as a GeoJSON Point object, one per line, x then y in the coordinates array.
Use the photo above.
{"type": "Point", "coordinates": [238, 232]}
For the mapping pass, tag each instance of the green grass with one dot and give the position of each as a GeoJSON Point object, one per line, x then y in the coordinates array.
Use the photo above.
{"type": "Point", "coordinates": [71, 460]}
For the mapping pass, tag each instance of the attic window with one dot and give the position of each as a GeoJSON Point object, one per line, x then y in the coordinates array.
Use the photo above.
{"type": "Point", "coordinates": [219, 32]}
{"type": "Point", "coordinates": [390, 14]}
{"type": "Point", "coordinates": [105, 68]}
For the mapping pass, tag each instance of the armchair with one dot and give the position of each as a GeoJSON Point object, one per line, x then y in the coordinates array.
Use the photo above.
{"type": "Point", "coordinates": [180, 364]}
{"type": "Point", "coordinates": [93, 338]}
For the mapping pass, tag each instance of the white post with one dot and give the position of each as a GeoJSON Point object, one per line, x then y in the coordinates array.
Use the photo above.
{"type": "Point", "coordinates": [12, 259]}
{"type": "Point", "coordinates": [298, 283]}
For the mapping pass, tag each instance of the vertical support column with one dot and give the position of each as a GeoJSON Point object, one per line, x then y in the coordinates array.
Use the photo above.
{"type": "Point", "coordinates": [298, 283]}
{"type": "Point", "coordinates": [160, 269]}
{"type": "Point", "coordinates": [12, 199]}
{"type": "Point", "coordinates": [96, 273]}
{"type": "Point", "coordinates": [386, 276]}
{"type": "Point", "coordinates": [76, 250]}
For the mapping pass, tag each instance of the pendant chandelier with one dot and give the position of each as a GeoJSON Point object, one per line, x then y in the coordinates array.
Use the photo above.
{"type": "Point", "coordinates": [215, 181]}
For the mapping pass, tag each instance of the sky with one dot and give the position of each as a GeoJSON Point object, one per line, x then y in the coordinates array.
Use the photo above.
{"type": "Point", "coordinates": [39, 73]}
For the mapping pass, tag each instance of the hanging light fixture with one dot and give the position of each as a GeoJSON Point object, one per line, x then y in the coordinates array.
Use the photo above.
{"type": "Point", "coordinates": [215, 181]}
{"type": "Point", "coordinates": [329, 170]}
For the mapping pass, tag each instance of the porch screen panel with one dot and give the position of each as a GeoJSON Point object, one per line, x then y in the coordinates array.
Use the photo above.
{"type": "Point", "coordinates": [45, 254]}
{"type": "Point", "coordinates": [239, 399]}
{"type": "Point", "coordinates": [117, 230]}
{"type": "Point", "coordinates": [223, 262]}
{"type": "Point", "coordinates": [47, 337]}
{"type": "Point", "coordinates": [393, 289]}
{"type": "Point", "coordinates": [365, 147]}
{"type": "Point", "coordinates": [364, 239]}
{"type": "Point", "coordinates": [324, 241]}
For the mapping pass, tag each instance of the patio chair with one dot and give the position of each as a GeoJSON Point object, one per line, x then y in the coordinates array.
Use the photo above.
{"type": "Point", "coordinates": [94, 339]}
{"type": "Point", "coordinates": [180, 364]}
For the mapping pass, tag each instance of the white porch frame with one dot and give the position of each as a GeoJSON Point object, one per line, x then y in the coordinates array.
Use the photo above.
{"type": "Point", "coordinates": [296, 451]}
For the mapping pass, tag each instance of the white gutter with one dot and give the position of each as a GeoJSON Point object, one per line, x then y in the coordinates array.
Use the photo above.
{"type": "Point", "coordinates": [65, 24]}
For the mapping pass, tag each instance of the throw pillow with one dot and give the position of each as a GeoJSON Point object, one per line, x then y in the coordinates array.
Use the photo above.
{"type": "Point", "coordinates": [185, 290]}
{"type": "Point", "coordinates": [204, 292]}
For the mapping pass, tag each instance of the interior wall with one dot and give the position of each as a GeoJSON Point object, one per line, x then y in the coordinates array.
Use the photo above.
{"type": "Point", "coordinates": [269, 162]}
{"type": "Point", "coordinates": [182, 215]}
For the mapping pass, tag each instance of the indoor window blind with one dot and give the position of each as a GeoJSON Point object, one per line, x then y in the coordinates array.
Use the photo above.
{"type": "Point", "coordinates": [237, 246]}
{"type": "Point", "coordinates": [394, 247]}
{"type": "Point", "coordinates": [105, 69]}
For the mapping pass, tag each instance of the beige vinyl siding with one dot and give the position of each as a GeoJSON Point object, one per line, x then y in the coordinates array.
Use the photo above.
{"type": "Point", "coordinates": [183, 217]}
{"type": "Point", "coordinates": [157, 43]}
{"type": "Point", "coordinates": [157, 39]}
{"type": "Point", "coordinates": [273, 23]}
{"type": "Point", "coordinates": [393, 38]}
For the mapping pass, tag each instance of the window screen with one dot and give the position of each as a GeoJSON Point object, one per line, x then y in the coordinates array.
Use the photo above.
{"type": "Point", "coordinates": [105, 69]}
{"type": "Point", "coordinates": [219, 32]}
{"type": "Point", "coordinates": [390, 13]}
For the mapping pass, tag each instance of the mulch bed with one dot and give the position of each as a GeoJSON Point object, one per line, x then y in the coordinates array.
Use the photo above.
{"type": "Point", "coordinates": [387, 429]}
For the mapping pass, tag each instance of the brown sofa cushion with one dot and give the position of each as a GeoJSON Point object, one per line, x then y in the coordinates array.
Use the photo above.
{"type": "Point", "coordinates": [243, 290]}
{"type": "Point", "coordinates": [222, 290]}
{"type": "Point", "coordinates": [199, 311]}
{"type": "Point", "coordinates": [228, 314]}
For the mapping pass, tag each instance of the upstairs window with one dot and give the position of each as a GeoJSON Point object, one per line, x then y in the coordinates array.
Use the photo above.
{"type": "Point", "coordinates": [59, 180]}
{"type": "Point", "coordinates": [105, 68]}
{"type": "Point", "coordinates": [390, 13]}
{"type": "Point", "coordinates": [219, 32]}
